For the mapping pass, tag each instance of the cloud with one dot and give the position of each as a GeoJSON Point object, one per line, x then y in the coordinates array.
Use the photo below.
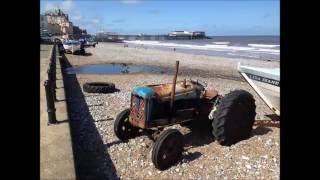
{"type": "Point", "coordinates": [77, 17]}
{"type": "Point", "coordinates": [67, 5]}
{"type": "Point", "coordinates": [130, 1]}
{"type": "Point", "coordinates": [118, 30]}
{"type": "Point", "coordinates": [50, 6]}
{"type": "Point", "coordinates": [95, 21]}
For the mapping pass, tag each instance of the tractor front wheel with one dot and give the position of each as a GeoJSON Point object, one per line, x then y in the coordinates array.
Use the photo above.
{"type": "Point", "coordinates": [167, 149]}
{"type": "Point", "coordinates": [122, 127]}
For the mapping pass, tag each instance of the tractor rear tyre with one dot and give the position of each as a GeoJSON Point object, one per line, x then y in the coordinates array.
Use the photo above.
{"type": "Point", "coordinates": [234, 117]}
{"type": "Point", "coordinates": [122, 127]}
{"type": "Point", "coordinates": [167, 149]}
{"type": "Point", "coordinates": [98, 87]}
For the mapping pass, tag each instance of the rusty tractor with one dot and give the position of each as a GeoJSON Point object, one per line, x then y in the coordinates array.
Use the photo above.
{"type": "Point", "coordinates": [154, 107]}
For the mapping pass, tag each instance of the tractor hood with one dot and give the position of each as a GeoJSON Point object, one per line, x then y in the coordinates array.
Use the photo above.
{"type": "Point", "coordinates": [144, 92]}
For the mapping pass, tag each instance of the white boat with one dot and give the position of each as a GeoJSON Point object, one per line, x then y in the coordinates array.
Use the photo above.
{"type": "Point", "coordinates": [266, 82]}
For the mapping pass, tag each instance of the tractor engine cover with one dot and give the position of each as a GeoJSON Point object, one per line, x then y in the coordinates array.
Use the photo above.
{"type": "Point", "coordinates": [141, 106]}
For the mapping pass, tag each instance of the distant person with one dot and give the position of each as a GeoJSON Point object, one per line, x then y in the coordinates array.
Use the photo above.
{"type": "Point", "coordinates": [82, 42]}
{"type": "Point", "coordinates": [174, 49]}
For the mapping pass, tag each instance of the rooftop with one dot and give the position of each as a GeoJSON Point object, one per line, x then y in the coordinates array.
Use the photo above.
{"type": "Point", "coordinates": [56, 12]}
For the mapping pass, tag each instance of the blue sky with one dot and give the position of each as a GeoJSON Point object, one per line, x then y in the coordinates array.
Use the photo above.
{"type": "Point", "coordinates": [215, 17]}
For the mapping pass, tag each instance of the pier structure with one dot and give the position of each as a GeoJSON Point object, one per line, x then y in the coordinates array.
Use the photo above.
{"type": "Point", "coordinates": [174, 35]}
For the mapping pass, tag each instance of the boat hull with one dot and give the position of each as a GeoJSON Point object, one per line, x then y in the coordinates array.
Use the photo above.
{"type": "Point", "coordinates": [265, 83]}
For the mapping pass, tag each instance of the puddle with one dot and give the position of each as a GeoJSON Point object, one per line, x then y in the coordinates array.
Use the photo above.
{"type": "Point", "coordinates": [117, 69]}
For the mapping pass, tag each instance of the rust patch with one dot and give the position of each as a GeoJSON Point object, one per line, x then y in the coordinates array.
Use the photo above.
{"type": "Point", "coordinates": [137, 117]}
{"type": "Point", "coordinates": [164, 90]}
{"type": "Point", "coordinates": [209, 94]}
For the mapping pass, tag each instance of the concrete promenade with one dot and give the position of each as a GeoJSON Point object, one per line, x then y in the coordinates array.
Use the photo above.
{"type": "Point", "coordinates": [56, 154]}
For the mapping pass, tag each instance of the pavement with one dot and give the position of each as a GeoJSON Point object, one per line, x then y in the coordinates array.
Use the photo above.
{"type": "Point", "coordinates": [56, 154]}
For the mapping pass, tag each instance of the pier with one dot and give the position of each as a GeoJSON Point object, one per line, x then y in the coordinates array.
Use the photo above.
{"type": "Point", "coordinates": [175, 35]}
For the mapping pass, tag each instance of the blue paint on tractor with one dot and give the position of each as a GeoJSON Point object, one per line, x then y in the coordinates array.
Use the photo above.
{"type": "Point", "coordinates": [144, 92]}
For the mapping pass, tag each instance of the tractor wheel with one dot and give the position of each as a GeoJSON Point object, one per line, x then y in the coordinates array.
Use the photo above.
{"type": "Point", "coordinates": [188, 124]}
{"type": "Point", "coordinates": [234, 117]}
{"type": "Point", "coordinates": [167, 149]}
{"type": "Point", "coordinates": [122, 127]}
{"type": "Point", "coordinates": [99, 87]}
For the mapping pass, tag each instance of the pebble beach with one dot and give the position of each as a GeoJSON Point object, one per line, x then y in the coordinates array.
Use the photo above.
{"type": "Point", "coordinates": [100, 155]}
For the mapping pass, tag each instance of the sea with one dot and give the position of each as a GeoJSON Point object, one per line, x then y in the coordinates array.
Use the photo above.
{"type": "Point", "coordinates": [266, 48]}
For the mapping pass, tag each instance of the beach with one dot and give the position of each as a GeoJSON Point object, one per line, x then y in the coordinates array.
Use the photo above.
{"type": "Point", "coordinates": [197, 64]}
{"type": "Point", "coordinates": [255, 158]}
{"type": "Point", "coordinates": [220, 73]}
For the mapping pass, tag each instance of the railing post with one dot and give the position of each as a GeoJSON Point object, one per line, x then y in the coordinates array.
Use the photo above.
{"type": "Point", "coordinates": [52, 82]}
{"type": "Point", "coordinates": [49, 74]}
{"type": "Point", "coordinates": [54, 91]}
{"type": "Point", "coordinates": [50, 103]}
{"type": "Point", "coordinates": [52, 67]}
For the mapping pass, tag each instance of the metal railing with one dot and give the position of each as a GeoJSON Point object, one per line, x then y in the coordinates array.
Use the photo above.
{"type": "Point", "coordinates": [50, 84]}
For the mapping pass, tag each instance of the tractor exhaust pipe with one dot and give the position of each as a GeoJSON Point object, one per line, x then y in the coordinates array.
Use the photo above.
{"type": "Point", "coordinates": [173, 92]}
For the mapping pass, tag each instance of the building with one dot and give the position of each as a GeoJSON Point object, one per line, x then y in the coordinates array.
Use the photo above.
{"type": "Point", "coordinates": [199, 34]}
{"type": "Point", "coordinates": [186, 35]}
{"type": "Point", "coordinates": [107, 37]}
{"type": "Point", "coordinates": [43, 23]}
{"type": "Point", "coordinates": [58, 23]}
{"type": "Point", "coordinates": [180, 33]}
{"type": "Point", "coordinates": [76, 31]}
{"type": "Point", "coordinates": [79, 33]}
{"type": "Point", "coordinates": [55, 29]}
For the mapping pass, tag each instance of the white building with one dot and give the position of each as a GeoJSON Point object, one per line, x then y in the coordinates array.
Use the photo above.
{"type": "Point", "coordinates": [187, 35]}
{"type": "Point", "coordinates": [58, 23]}
{"type": "Point", "coordinates": [43, 23]}
{"type": "Point", "coordinates": [180, 33]}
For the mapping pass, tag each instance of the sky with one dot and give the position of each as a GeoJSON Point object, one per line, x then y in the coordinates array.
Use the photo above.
{"type": "Point", "coordinates": [215, 17]}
